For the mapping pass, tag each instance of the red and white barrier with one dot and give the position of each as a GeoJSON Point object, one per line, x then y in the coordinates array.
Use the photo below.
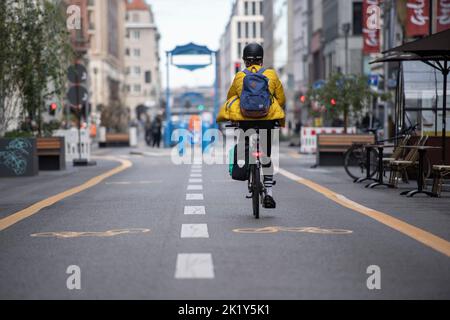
{"type": "Point", "coordinates": [308, 137]}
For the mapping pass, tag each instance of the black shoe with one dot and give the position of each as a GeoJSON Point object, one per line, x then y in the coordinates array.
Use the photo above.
{"type": "Point", "coordinates": [269, 202]}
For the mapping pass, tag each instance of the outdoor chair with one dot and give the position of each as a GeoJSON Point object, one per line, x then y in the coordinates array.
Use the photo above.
{"type": "Point", "coordinates": [399, 151]}
{"type": "Point", "coordinates": [439, 173]}
{"type": "Point", "coordinates": [399, 167]}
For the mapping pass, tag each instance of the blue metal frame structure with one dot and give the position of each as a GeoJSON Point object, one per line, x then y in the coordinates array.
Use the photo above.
{"type": "Point", "coordinates": [189, 49]}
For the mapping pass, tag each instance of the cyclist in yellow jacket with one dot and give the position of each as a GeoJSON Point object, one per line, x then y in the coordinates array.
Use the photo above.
{"type": "Point", "coordinates": [253, 57]}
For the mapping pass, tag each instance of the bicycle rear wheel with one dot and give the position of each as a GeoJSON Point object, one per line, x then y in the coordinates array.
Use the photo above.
{"type": "Point", "coordinates": [355, 162]}
{"type": "Point", "coordinates": [256, 182]}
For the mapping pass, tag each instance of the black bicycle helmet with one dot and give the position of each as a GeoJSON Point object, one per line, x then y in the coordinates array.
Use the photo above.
{"type": "Point", "coordinates": [253, 51]}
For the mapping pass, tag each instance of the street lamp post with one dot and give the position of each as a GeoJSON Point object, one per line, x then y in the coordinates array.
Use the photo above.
{"type": "Point", "coordinates": [346, 29]}
{"type": "Point", "coordinates": [167, 131]}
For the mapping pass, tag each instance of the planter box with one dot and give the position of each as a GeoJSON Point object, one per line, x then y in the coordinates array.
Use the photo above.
{"type": "Point", "coordinates": [18, 157]}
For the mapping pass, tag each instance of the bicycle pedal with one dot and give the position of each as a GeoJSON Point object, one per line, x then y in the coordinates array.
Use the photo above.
{"type": "Point", "coordinates": [274, 183]}
{"type": "Point", "coordinates": [249, 196]}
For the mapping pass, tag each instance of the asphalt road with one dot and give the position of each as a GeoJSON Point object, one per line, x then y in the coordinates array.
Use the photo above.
{"type": "Point", "coordinates": [169, 246]}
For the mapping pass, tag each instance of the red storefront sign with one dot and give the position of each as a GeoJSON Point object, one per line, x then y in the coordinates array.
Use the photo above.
{"type": "Point", "coordinates": [371, 26]}
{"type": "Point", "coordinates": [418, 20]}
{"type": "Point", "coordinates": [443, 15]}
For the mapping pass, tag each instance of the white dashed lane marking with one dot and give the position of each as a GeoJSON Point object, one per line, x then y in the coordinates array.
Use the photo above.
{"type": "Point", "coordinates": [194, 196]}
{"type": "Point", "coordinates": [188, 210]}
{"type": "Point", "coordinates": [194, 266]}
{"type": "Point", "coordinates": [195, 187]}
{"type": "Point", "coordinates": [194, 231]}
{"type": "Point", "coordinates": [196, 175]}
{"type": "Point", "coordinates": [195, 180]}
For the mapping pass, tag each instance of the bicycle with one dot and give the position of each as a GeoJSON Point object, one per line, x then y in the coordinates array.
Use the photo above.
{"type": "Point", "coordinates": [356, 157]}
{"type": "Point", "coordinates": [256, 188]}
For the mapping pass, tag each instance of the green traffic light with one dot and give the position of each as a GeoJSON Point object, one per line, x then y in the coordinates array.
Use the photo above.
{"type": "Point", "coordinates": [201, 107]}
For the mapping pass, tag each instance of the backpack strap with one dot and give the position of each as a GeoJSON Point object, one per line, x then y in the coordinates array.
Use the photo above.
{"type": "Point", "coordinates": [247, 72]}
{"type": "Point", "coordinates": [261, 71]}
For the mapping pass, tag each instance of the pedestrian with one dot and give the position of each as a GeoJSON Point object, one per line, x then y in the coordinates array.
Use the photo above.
{"type": "Point", "coordinates": [156, 131]}
{"type": "Point", "coordinates": [148, 131]}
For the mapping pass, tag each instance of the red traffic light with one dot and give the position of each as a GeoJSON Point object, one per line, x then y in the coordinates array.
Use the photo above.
{"type": "Point", "coordinates": [333, 102]}
{"type": "Point", "coordinates": [53, 106]}
{"type": "Point", "coordinates": [237, 67]}
{"type": "Point", "coordinates": [302, 99]}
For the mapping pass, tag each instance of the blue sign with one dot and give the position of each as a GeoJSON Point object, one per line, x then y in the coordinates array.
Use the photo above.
{"type": "Point", "coordinates": [374, 80]}
{"type": "Point", "coordinates": [318, 84]}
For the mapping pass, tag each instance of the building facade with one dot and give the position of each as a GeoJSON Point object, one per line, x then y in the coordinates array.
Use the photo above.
{"type": "Point", "coordinates": [142, 80]}
{"type": "Point", "coordinates": [244, 26]}
{"type": "Point", "coordinates": [342, 35]}
{"type": "Point", "coordinates": [106, 31]}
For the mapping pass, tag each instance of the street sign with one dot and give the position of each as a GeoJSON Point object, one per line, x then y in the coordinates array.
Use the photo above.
{"type": "Point", "coordinates": [318, 84]}
{"type": "Point", "coordinates": [77, 95]}
{"type": "Point", "coordinates": [374, 80]}
{"type": "Point", "coordinates": [77, 73]}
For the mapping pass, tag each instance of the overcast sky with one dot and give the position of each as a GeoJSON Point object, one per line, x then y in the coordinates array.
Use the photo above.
{"type": "Point", "coordinates": [182, 21]}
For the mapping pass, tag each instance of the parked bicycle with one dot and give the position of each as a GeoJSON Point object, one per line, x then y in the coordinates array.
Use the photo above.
{"type": "Point", "coordinates": [356, 157]}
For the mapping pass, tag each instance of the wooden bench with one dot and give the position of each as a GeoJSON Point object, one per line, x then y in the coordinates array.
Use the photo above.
{"type": "Point", "coordinates": [116, 140]}
{"type": "Point", "coordinates": [332, 147]}
{"type": "Point", "coordinates": [51, 153]}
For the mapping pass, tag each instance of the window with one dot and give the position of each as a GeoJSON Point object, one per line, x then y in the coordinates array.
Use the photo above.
{"type": "Point", "coordinates": [127, 51]}
{"type": "Point", "coordinates": [261, 7]}
{"type": "Point", "coordinates": [239, 47]}
{"type": "Point", "coordinates": [135, 17]}
{"type": "Point", "coordinates": [357, 18]}
{"type": "Point", "coordinates": [254, 8]}
{"type": "Point", "coordinates": [127, 88]}
{"type": "Point", "coordinates": [239, 29]}
{"type": "Point", "coordinates": [136, 34]}
{"type": "Point", "coordinates": [246, 8]}
{"type": "Point", "coordinates": [254, 29]}
{"type": "Point", "coordinates": [137, 52]}
{"type": "Point", "coordinates": [127, 70]}
{"type": "Point", "coordinates": [148, 77]}
{"type": "Point", "coordinates": [137, 88]}
{"type": "Point", "coordinates": [137, 70]}
{"type": "Point", "coordinates": [246, 29]}
{"type": "Point", "coordinates": [261, 29]}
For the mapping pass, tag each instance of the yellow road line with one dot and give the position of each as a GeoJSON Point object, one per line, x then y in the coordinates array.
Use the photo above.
{"type": "Point", "coordinates": [422, 236]}
{"type": "Point", "coordinates": [35, 208]}
{"type": "Point", "coordinates": [294, 155]}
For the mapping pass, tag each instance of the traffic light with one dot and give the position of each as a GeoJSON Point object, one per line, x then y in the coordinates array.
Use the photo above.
{"type": "Point", "coordinates": [52, 108]}
{"type": "Point", "coordinates": [303, 99]}
{"type": "Point", "coordinates": [237, 67]}
{"type": "Point", "coordinates": [201, 107]}
{"type": "Point", "coordinates": [333, 102]}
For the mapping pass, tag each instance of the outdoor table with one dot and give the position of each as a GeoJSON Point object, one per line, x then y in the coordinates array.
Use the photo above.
{"type": "Point", "coordinates": [420, 178]}
{"type": "Point", "coordinates": [380, 181]}
{"type": "Point", "coordinates": [368, 149]}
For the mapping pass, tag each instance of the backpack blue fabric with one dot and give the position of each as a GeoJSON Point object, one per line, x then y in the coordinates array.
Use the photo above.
{"type": "Point", "coordinates": [255, 97]}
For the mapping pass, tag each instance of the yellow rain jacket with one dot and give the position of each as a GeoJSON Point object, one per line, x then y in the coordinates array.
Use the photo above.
{"type": "Point", "coordinates": [231, 110]}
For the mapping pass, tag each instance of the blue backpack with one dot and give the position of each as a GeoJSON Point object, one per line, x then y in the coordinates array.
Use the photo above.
{"type": "Point", "coordinates": [255, 97]}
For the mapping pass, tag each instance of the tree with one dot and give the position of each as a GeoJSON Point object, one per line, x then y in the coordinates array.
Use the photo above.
{"type": "Point", "coordinates": [35, 58]}
{"type": "Point", "coordinates": [344, 95]}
